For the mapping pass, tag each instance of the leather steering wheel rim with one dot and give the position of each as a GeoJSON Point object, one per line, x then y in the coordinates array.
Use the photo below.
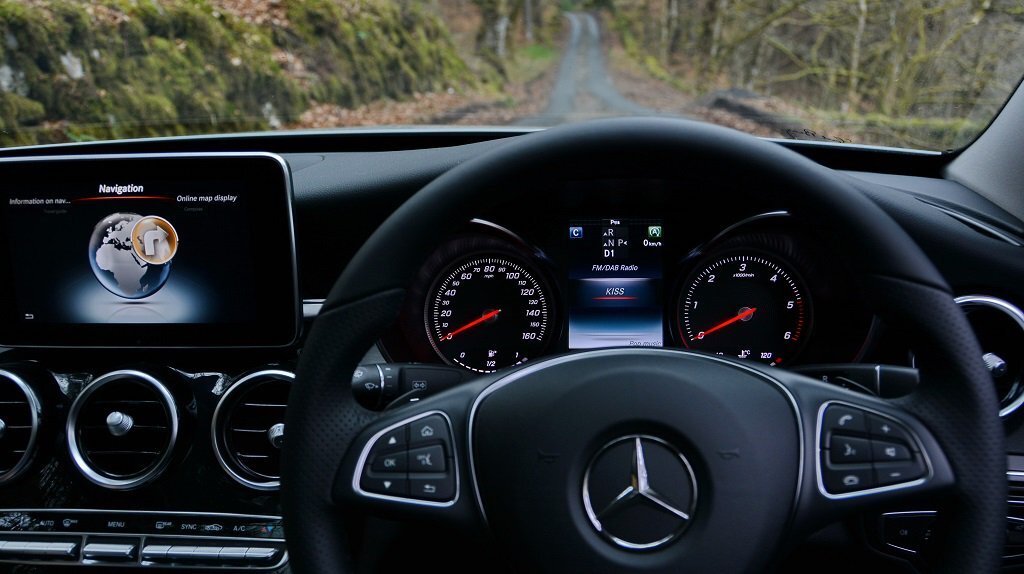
{"type": "Point", "coordinates": [901, 285]}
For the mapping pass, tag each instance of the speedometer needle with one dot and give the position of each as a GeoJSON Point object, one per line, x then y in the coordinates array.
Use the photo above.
{"type": "Point", "coordinates": [739, 317]}
{"type": "Point", "coordinates": [471, 324]}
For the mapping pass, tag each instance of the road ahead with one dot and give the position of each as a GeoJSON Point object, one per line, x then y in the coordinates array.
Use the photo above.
{"type": "Point", "coordinates": [583, 88]}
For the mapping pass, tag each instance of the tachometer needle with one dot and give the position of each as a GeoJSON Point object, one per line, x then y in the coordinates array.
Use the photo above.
{"type": "Point", "coordinates": [739, 317]}
{"type": "Point", "coordinates": [471, 324]}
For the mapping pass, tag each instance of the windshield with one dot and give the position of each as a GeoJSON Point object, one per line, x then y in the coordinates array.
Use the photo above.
{"type": "Point", "coordinates": [924, 74]}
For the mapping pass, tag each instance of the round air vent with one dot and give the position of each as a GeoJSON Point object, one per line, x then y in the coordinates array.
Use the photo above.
{"type": "Point", "coordinates": [999, 327]}
{"type": "Point", "coordinates": [248, 428]}
{"type": "Point", "coordinates": [122, 428]}
{"type": "Point", "coordinates": [20, 412]}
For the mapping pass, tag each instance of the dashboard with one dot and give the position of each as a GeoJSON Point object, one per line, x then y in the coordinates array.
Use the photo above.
{"type": "Point", "coordinates": [139, 443]}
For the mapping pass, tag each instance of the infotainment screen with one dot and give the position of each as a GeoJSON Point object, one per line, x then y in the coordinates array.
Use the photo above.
{"type": "Point", "coordinates": [152, 250]}
{"type": "Point", "coordinates": [615, 283]}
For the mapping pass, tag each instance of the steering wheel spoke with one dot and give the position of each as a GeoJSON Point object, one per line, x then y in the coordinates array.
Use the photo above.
{"type": "Point", "coordinates": [863, 451]}
{"type": "Point", "coordinates": [413, 461]}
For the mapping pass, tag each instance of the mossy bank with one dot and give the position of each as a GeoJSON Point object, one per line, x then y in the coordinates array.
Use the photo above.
{"type": "Point", "coordinates": [122, 69]}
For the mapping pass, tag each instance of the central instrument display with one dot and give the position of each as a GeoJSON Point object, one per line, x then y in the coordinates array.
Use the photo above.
{"type": "Point", "coordinates": [488, 312]}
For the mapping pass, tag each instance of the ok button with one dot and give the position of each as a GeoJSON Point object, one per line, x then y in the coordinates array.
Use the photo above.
{"type": "Point", "coordinates": [392, 462]}
{"type": "Point", "coordinates": [849, 449]}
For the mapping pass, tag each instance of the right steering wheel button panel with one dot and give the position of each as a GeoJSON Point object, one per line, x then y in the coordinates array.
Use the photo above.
{"type": "Point", "coordinates": [861, 451]}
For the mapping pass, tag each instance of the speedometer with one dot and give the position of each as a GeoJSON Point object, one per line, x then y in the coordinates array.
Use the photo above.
{"type": "Point", "coordinates": [745, 305]}
{"type": "Point", "coordinates": [487, 312]}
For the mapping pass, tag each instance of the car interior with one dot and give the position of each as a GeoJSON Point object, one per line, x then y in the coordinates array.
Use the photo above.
{"type": "Point", "coordinates": [644, 344]}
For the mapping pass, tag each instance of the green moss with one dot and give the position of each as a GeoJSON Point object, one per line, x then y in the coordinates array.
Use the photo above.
{"type": "Point", "coordinates": [122, 68]}
{"type": "Point", "coordinates": [383, 50]}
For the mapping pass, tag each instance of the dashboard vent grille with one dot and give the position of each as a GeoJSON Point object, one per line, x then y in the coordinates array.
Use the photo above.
{"type": "Point", "coordinates": [19, 424]}
{"type": "Point", "coordinates": [248, 428]}
{"type": "Point", "coordinates": [122, 429]}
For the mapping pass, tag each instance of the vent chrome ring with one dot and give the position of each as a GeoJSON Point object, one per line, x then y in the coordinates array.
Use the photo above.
{"type": "Point", "coordinates": [36, 411]}
{"type": "Point", "coordinates": [1013, 312]}
{"type": "Point", "coordinates": [223, 411]}
{"type": "Point", "coordinates": [78, 456]}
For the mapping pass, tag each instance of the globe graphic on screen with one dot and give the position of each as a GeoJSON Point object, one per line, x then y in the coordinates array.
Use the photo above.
{"type": "Point", "coordinates": [116, 265]}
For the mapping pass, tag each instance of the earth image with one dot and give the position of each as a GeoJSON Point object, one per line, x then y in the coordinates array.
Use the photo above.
{"type": "Point", "coordinates": [116, 265]}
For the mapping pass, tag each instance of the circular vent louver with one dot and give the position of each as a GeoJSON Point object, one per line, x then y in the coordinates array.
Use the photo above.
{"type": "Point", "coordinates": [248, 428]}
{"type": "Point", "coordinates": [20, 412]}
{"type": "Point", "coordinates": [999, 327]}
{"type": "Point", "coordinates": [122, 428]}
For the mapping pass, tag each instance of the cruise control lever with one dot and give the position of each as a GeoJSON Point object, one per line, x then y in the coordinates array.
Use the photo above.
{"type": "Point", "coordinates": [887, 381]}
{"type": "Point", "coordinates": [378, 386]}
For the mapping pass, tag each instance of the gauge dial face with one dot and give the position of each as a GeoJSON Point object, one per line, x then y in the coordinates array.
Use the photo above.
{"type": "Point", "coordinates": [744, 305]}
{"type": "Point", "coordinates": [488, 312]}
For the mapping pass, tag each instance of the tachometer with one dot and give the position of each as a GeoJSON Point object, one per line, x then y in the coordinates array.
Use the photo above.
{"type": "Point", "coordinates": [744, 305]}
{"type": "Point", "coordinates": [487, 312]}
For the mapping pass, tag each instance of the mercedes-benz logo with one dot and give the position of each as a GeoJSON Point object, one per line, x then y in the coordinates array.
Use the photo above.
{"type": "Point", "coordinates": [639, 492]}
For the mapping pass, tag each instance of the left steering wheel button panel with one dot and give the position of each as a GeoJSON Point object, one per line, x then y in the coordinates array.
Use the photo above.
{"type": "Point", "coordinates": [411, 461]}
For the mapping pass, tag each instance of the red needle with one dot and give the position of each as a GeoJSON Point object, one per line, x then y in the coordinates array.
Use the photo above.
{"type": "Point", "coordinates": [739, 317]}
{"type": "Point", "coordinates": [471, 324]}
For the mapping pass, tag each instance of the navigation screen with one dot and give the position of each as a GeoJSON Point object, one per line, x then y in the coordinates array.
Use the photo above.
{"type": "Point", "coordinates": [615, 283]}
{"type": "Point", "coordinates": [121, 248]}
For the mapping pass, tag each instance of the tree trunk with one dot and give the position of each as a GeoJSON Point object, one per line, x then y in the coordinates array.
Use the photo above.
{"type": "Point", "coordinates": [528, 20]}
{"type": "Point", "coordinates": [852, 97]}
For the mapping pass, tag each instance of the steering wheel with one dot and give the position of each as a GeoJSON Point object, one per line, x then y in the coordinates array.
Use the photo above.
{"type": "Point", "coordinates": [651, 460]}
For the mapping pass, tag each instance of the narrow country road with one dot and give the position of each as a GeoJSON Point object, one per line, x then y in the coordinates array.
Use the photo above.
{"type": "Point", "coordinates": [583, 88]}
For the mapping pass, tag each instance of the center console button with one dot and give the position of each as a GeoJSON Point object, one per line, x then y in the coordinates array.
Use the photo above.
{"type": "Point", "coordinates": [108, 551]}
{"type": "Point", "coordinates": [233, 553]}
{"type": "Point", "coordinates": [261, 554]}
{"type": "Point", "coordinates": [206, 553]}
{"type": "Point", "coordinates": [155, 552]}
{"type": "Point", "coordinates": [180, 553]}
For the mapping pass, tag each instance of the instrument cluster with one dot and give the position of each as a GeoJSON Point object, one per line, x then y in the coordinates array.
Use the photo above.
{"type": "Point", "coordinates": [763, 289]}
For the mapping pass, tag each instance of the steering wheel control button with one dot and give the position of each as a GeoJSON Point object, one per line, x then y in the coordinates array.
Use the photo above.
{"type": "Point", "coordinates": [392, 486]}
{"type": "Point", "coordinates": [392, 462]}
{"type": "Point", "coordinates": [393, 439]}
{"type": "Point", "coordinates": [907, 532]}
{"type": "Point", "coordinates": [639, 492]}
{"type": "Point", "coordinates": [897, 472]}
{"type": "Point", "coordinates": [886, 429]}
{"type": "Point", "coordinates": [427, 459]}
{"type": "Point", "coordinates": [883, 451]}
{"type": "Point", "coordinates": [845, 419]}
{"type": "Point", "coordinates": [848, 478]}
{"type": "Point", "coordinates": [427, 430]}
{"type": "Point", "coordinates": [441, 488]}
{"type": "Point", "coordinates": [846, 449]}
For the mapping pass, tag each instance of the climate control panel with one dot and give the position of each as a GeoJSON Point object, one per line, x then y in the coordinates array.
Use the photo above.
{"type": "Point", "coordinates": [104, 538]}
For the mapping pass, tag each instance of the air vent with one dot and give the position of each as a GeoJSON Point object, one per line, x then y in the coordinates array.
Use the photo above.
{"type": "Point", "coordinates": [20, 413]}
{"type": "Point", "coordinates": [248, 428]}
{"type": "Point", "coordinates": [122, 428]}
{"type": "Point", "coordinates": [999, 327]}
